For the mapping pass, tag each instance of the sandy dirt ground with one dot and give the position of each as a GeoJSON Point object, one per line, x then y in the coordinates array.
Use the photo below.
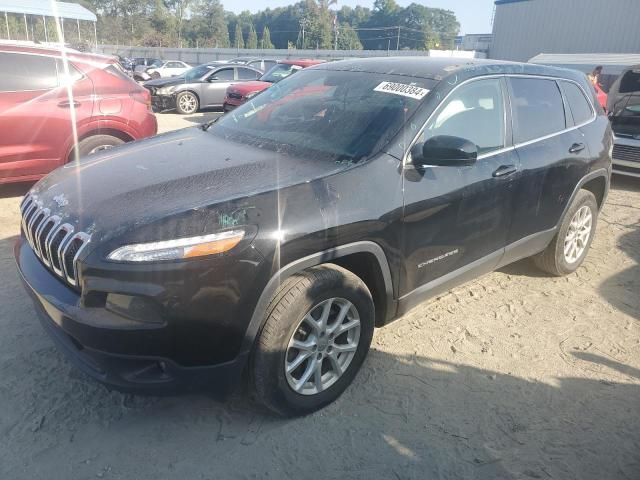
{"type": "Point", "coordinates": [513, 376]}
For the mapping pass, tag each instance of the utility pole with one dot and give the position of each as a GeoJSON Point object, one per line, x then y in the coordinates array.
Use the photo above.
{"type": "Point", "coordinates": [6, 19]}
{"type": "Point", "coordinates": [398, 42]}
{"type": "Point", "coordinates": [335, 27]}
{"type": "Point", "coordinates": [304, 24]}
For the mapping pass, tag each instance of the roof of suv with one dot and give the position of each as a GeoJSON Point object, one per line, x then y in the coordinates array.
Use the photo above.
{"type": "Point", "coordinates": [439, 68]}
{"type": "Point", "coordinates": [57, 53]}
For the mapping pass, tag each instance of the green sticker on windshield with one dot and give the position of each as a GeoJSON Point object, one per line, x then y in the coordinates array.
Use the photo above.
{"type": "Point", "coordinates": [402, 89]}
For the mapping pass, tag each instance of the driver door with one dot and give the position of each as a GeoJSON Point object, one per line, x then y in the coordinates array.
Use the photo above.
{"type": "Point", "coordinates": [456, 219]}
{"type": "Point", "coordinates": [215, 86]}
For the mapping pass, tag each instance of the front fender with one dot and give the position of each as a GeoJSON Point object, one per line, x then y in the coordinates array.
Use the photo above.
{"type": "Point", "coordinates": [259, 314]}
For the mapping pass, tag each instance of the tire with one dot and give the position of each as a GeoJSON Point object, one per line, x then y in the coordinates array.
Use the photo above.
{"type": "Point", "coordinates": [187, 103]}
{"type": "Point", "coordinates": [298, 298]}
{"type": "Point", "coordinates": [554, 259]}
{"type": "Point", "coordinates": [96, 143]}
{"type": "Point", "coordinates": [155, 75]}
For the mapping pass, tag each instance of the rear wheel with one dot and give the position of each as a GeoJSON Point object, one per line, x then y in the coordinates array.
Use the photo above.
{"type": "Point", "coordinates": [316, 336]}
{"type": "Point", "coordinates": [95, 144]}
{"type": "Point", "coordinates": [187, 103]}
{"type": "Point", "coordinates": [570, 246]}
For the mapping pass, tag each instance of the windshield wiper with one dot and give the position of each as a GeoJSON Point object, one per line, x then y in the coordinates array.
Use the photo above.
{"type": "Point", "coordinates": [205, 126]}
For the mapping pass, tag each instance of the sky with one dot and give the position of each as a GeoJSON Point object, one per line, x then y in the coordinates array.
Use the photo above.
{"type": "Point", "coordinates": [474, 15]}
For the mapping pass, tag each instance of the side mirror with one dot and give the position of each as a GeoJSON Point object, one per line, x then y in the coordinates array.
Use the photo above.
{"type": "Point", "coordinates": [213, 78]}
{"type": "Point", "coordinates": [445, 151]}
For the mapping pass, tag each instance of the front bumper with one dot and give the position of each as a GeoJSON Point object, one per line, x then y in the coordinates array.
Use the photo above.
{"type": "Point", "coordinates": [94, 339]}
{"type": "Point", "coordinates": [626, 156]}
{"type": "Point", "coordinates": [231, 103]}
{"type": "Point", "coordinates": [161, 103]}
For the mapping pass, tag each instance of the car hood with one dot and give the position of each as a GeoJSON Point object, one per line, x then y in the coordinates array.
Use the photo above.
{"type": "Point", "coordinates": [165, 82]}
{"type": "Point", "coordinates": [246, 88]}
{"type": "Point", "coordinates": [142, 182]}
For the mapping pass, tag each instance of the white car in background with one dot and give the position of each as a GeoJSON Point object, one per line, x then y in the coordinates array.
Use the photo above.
{"type": "Point", "coordinates": [168, 69]}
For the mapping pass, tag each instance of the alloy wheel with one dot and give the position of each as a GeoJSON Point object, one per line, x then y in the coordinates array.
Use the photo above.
{"type": "Point", "coordinates": [323, 346]}
{"type": "Point", "coordinates": [188, 103]}
{"type": "Point", "coordinates": [578, 234]}
{"type": "Point", "coordinates": [100, 148]}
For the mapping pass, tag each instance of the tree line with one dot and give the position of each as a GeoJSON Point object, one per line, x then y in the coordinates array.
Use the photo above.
{"type": "Point", "coordinates": [307, 24]}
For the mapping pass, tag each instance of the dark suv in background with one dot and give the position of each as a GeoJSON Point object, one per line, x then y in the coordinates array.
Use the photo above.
{"type": "Point", "coordinates": [277, 238]}
{"type": "Point", "coordinates": [624, 113]}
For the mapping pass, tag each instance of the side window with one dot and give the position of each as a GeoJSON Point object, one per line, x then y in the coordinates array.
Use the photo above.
{"type": "Point", "coordinates": [474, 112]}
{"type": "Point", "coordinates": [174, 65]}
{"type": "Point", "coordinates": [579, 105]}
{"type": "Point", "coordinates": [74, 73]}
{"type": "Point", "coordinates": [247, 74]}
{"type": "Point", "coordinates": [538, 110]}
{"type": "Point", "coordinates": [630, 83]}
{"type": "Point", "coordinates": [224, 75]}
{"type": "Point", "coordinates": [27, 72]}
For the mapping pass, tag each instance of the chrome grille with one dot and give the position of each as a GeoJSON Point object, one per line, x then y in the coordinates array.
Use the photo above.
{"type": "Point", "coordinates": [626, 152]}
{"type": "Point", "coordinates": [55, 243]}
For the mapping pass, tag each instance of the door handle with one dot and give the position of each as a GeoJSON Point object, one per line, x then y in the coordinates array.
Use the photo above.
{"type": "Point", "coordinates": [576, 147]}
{"type": "Point", "coordinates": [67, 104]}
{"type": "Point", "coordinates": [505, 170]}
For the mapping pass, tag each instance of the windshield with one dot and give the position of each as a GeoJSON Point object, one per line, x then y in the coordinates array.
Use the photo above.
{"type": "Point", "coordinates": [196, 73]}
{"type": "Point", "coordinates": [279, 72]}
{"type": "Point", "coordinates": [327, 114]}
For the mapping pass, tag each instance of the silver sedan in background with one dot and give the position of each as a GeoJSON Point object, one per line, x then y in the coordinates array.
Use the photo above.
{"type": "Point", "coordinates": [200, 87]}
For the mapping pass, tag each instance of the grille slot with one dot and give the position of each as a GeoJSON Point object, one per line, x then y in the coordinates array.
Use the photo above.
{"type": "Point", "coordinates": [57, 246]}
{"type": "Point", "coordinates": [626, 152]}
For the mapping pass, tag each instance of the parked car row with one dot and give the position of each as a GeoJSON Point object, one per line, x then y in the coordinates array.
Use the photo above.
{"type": "Point", "coordinates": [216, 84]}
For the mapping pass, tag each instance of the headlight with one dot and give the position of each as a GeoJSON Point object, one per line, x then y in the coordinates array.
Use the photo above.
{"type": "Point", "coordinates": [178, 249]}
{"type": "Point", "coordinates": [166, 90]}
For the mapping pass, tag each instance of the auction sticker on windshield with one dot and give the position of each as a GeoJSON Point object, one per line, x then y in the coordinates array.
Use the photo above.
{"type": "Point", "coordinates": [403, 89]}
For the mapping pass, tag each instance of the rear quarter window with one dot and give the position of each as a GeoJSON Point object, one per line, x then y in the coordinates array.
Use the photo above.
{"type": "Point", "coordinates": [578, 103]}
{"type": "Point", "coordinates": [538, 109]}
{"type": "Point", "coordinates": [24, 72]}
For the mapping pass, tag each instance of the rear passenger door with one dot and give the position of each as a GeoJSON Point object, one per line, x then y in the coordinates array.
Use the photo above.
{"type": "Point", "coordinates": [553, 156]}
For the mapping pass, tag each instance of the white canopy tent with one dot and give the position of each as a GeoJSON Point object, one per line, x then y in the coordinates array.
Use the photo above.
{"type": "Point", "coordinates": [48, 8]}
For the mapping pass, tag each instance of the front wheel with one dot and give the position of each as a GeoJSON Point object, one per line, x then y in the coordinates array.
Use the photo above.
{"type": "Point", "coordinates": [187, 103]}
{"type": "Point", "coordinates": [95, 144]}
{"type": "Point", "coordinates": [317, 334]}
{"type": "Point", "coordinates": [570, 246]}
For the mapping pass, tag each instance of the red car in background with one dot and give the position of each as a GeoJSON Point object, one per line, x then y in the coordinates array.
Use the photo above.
{"type": "Point", "coordinates": [240, 93]}
{"type": "Point", "coordinates": [47, 102]}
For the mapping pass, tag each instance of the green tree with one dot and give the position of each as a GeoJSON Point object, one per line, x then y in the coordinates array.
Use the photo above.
{"type": "Point", "coordinates": [252, 38]}
{"type": "Point", "coordinates": [238, 42]}
{"type": "Point", "coordinates": [265, 41]}
{"type": "Point", "coordinates": [348, 38]}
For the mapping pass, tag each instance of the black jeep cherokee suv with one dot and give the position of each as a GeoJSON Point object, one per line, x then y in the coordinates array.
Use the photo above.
{"type": "Point", "coordinates": [276, 239]}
